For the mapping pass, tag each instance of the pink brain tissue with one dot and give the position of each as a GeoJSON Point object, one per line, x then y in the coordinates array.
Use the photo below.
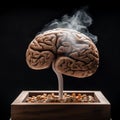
{"type": "Point", "coordinates": [72, 52]}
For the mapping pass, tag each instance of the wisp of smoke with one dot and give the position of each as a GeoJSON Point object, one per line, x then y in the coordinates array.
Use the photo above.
{"type": "Point", "coordinates": [79, 21]}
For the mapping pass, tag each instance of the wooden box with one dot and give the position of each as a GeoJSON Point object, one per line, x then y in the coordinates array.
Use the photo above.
{"type": "Point", "coordinates": [99, 110]}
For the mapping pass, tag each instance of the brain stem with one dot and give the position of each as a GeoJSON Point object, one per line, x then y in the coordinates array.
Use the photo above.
{"type": "Point", "coordinates": [60, 81]}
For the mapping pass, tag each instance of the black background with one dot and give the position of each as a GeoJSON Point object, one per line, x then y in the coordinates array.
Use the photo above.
{"type": "Point", "coordinates": [19, 25]}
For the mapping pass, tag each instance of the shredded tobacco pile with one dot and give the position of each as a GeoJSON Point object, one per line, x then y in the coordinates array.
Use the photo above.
{"type": "Point", "coordinates": [67, 98]}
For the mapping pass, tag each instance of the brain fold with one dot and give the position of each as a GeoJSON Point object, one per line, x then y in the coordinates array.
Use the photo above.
{"type": "Point", "coordinates": [74, 54]}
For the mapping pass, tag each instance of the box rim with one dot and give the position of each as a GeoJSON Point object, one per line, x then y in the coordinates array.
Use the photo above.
{"type": "Point", "coordinates": [19, 100]}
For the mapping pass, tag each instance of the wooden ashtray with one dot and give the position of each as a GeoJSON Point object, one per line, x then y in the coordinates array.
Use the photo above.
{"type": "Point", "coordinates": [97, 110]}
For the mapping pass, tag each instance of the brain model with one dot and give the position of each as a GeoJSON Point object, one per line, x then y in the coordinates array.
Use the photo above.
{"type": "Point", "coordinates": [73, 53]}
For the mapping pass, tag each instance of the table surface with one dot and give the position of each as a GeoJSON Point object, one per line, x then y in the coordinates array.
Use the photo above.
{"type": "Point", "coordinates": [11, 119]}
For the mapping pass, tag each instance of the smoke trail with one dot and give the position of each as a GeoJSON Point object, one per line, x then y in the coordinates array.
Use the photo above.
{"type": "Point", "coordinates": [79, 21]}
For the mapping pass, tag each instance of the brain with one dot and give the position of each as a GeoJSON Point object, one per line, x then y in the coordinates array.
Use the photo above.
{"type": "Point", "coordinates": [74, 54]}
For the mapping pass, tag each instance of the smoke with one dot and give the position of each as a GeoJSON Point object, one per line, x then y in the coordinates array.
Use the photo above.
{"type": "Point", "coordinates": [80, 21]}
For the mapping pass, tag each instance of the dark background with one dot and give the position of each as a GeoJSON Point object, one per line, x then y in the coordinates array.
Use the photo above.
{"type": "Point", "coordinates": [19, 25]}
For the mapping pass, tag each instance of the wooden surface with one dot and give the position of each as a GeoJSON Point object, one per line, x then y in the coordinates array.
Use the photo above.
{"type": "Point", "coordinates": [11, 119]}
{"type": "Point", "coordinates": [89, 119]}
{"type": "Point", "coordinates": [21, 110]}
